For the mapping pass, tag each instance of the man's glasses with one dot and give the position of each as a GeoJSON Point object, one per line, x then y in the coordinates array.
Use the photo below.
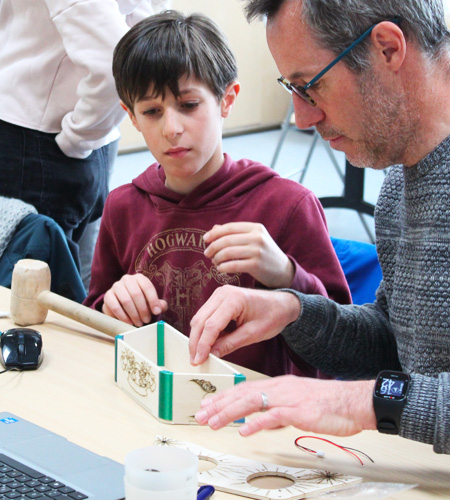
{"type": "Point", "coordinates": [302, 91]}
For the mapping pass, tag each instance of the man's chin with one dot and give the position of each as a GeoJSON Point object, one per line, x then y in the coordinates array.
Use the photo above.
{"type": "Point", "coordinates": [361, 161]}
{"type": "Point", "coordinates": [357, 160]}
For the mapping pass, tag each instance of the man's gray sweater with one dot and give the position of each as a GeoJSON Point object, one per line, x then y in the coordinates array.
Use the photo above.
{"type": "Point", "coordinates": [408, 326]}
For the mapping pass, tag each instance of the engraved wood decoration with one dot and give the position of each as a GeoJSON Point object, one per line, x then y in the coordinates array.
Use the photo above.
{"type": "Point", "coordinates": [153, 368]}
{"type": "Point", "coordinates": [233, 474]}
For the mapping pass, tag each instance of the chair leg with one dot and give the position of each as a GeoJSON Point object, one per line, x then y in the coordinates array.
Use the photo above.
{"type": "Point", "coordinates": [308, 158]}
{"type": "Point", "coordinates": [330, 154]}
{"type": "Point", "coordinates": [334, 161]}
{"type": "Point", "coordinates": [284, 130]}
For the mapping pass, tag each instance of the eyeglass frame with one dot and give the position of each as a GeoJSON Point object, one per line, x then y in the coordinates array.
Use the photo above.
{"type": "Point", "coordinates": [301, 91]}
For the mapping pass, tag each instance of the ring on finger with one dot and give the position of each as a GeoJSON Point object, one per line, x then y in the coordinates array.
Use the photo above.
{"type": "Point", "coordinates": [265, 401]}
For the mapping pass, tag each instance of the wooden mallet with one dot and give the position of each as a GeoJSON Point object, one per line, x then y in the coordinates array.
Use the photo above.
{"type": "Point", "coordinates": [31, 299]}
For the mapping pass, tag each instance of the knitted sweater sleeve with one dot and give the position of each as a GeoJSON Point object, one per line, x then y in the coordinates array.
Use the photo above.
{"type": "Point", "coordinates": [426, 416]}
{"type": "Point", "coordinates": [346, 341]}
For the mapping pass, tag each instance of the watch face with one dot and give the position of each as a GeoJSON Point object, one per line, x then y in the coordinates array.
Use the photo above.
{"type": "Point", "coordinates": [392, 385]}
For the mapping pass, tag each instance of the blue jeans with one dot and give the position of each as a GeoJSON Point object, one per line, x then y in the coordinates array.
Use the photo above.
{"type": "Point", "coordinates": [69, 190]}
{"type": "Point", "coordinates": [89, 239]}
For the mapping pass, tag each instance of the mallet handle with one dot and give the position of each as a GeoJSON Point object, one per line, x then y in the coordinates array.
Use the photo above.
{"type": "Point", "coordinates": [83, 314]}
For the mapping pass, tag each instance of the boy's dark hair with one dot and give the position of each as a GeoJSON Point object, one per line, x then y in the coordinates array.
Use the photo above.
{"type": "Point", "coordinates": [163, 48]}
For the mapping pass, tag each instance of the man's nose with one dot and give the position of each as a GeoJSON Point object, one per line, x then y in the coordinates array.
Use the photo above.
{"type": "Point", "coordinates": [306, 115]}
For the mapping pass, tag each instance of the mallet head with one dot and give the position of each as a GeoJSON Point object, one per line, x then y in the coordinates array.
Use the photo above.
{"type": "Point", "coordinates": [30, 278]}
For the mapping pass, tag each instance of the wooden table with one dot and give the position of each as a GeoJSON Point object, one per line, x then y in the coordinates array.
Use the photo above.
{"type": "Point", "coordinates": [73, 393]}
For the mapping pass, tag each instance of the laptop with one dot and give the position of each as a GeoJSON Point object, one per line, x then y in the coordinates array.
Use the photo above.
{"type": "Point", "coordinates": [38, 463]}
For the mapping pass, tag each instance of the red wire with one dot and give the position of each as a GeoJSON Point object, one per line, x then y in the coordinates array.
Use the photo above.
{"type": "Point", "coordinates": [343, 448]}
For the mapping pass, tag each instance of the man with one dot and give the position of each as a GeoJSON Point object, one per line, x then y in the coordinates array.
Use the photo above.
{"type": "Point", "coordinates": [383, 100]}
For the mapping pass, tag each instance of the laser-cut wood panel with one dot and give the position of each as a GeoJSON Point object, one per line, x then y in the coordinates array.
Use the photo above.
{"type": "Point", "coordinates": [153, 367]}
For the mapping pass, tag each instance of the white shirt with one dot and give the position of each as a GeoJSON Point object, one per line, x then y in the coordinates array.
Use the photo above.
{"type": "Point", "coordinates": [55, 67]}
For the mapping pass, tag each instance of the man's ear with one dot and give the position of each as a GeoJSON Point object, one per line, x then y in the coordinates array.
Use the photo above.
{"type": "Point", "coordinates": [390, 43]}
{"type": "Point", "coordinates": [131, 115]}
{"type": "Point", "coordinates": [229, 98]}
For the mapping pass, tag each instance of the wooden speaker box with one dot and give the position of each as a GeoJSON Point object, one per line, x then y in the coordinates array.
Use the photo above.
{"type": "Point", "coordinates": [152, 366]}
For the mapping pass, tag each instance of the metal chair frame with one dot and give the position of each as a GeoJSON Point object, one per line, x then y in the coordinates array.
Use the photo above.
{"type": "Point", "coordinates": [353, 178]}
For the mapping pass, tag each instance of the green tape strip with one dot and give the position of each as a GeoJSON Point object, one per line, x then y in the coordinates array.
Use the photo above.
{"type": "Point", "coordinates": [116, 338]}
{"type": "Point", "coordinates": [160, 343]}
{"type": "Point", "coordinates": [165, 394]}
{"type": "Point", "coordinates": [238, 378]}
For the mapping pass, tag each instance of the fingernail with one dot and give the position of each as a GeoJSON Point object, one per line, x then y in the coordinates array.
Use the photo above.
{"type": "Point", "coordinates": [213, 421]}
{"type": "Point", "coordinates": [244, 430]}
{"type": "Point", "coordinates": [200, 416]}
{"type": "Point", "coordinates": [157, 310]}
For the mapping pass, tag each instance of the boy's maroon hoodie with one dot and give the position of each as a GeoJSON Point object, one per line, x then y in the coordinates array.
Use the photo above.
{"type": "Point", "coordinates": [148, 228]}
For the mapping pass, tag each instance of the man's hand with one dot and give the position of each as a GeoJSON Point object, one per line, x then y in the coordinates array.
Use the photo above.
{"type": "Point", "coordinates": [312, 405]}
{"type": "Point", "coordinates": [133, 299]}
{"type": "Point", "coordinates": [247, 247]}
{"type": "Point", "coordinates": [259, 315]}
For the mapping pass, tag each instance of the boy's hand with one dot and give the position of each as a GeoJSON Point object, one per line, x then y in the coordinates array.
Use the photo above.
{"type": "Point", "coordinates": [247, 247]}
{"type": "Point", "coordinates": [133, 299]}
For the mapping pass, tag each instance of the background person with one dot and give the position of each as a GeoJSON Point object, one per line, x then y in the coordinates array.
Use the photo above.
{"type": "Point", "coordinates": [386, 102]}
{"type": "Point", "coordinates": [59, 110]}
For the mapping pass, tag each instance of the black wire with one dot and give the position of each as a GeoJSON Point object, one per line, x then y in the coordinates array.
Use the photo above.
{"type": "Point", "coordinates": [9, 369]}
{"type": "Point", "coordinates": [359, 451]}
{"type": "Point", "coordinates": [309, 450]}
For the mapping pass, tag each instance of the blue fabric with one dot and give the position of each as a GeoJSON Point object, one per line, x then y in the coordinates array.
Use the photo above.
{"type": "Point", "coordinates": [361, 267]}
{"type": "Point", "coordinates": [41, 238]}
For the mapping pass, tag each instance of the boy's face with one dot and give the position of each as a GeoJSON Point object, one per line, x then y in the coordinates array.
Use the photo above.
{"type": "Point", "coordinates": [185, 134]}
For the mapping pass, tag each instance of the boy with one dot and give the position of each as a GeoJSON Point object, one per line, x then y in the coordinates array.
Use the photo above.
{"type": "Point", "coordinates": [197, 220]}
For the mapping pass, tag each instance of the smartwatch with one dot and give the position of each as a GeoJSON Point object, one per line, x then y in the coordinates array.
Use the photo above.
{"type": "Point", "coordinates": [389, 398]}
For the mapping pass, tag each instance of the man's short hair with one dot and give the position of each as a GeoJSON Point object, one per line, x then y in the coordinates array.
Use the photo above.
{"type": "Point", "coordinates": [162, 49]}
{"type": "Point", "coordinates": [338, 23]}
